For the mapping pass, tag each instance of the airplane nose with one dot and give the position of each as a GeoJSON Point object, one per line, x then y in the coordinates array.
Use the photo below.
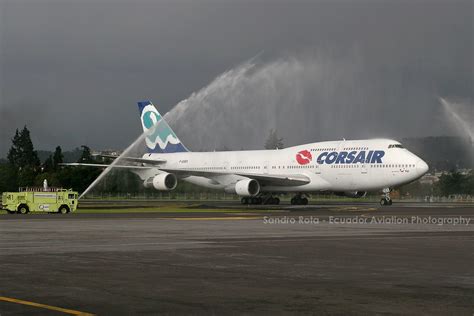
{"type": "Point", "coordinates": [421, 167]}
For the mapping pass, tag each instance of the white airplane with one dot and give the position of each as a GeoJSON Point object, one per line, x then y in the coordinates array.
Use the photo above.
{"type": "Point", "coordinates": [345, 167]}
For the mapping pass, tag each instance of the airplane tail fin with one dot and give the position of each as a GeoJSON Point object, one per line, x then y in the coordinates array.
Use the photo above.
{"type": "Point", "coordinates": [160, 138]}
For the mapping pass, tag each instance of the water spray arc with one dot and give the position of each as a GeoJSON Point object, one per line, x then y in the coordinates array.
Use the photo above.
{"type": "Point", "coordinates": [240, 106]}
{"type": "Point", "coordinates": [460, 123]}
{"type": "Point", "coordinates": [109, 168]}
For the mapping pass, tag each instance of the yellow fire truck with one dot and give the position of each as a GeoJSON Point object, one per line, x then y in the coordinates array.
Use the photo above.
{"type": "Point", "coordinates": [50, 200]}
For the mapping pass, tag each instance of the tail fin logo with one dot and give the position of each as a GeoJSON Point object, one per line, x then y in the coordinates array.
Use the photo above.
{"type": "Point", "coordinates": [150, 119]}
{"type": "Point", "coordinates": [159, 136]}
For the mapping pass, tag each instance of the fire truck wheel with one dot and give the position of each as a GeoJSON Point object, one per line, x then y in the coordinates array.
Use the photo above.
{"type": "Point", "coordinates": [63, 209]}
{"type": "Point", "coordinates": [23, 209]}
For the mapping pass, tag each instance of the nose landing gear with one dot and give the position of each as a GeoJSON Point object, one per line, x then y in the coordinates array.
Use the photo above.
{"type": "Point", "coordinates": [386, 200]}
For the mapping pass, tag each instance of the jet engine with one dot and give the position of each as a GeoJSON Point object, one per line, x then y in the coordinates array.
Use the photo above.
{"type": "Point", "coordinates": [247, 187]}
{"type": "Point", "coordinates": [162, 182]}
{"type": "Point", "coordinates": [352, 194]}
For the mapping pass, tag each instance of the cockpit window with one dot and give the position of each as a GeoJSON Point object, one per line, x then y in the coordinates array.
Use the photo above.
{"type": "Point", "coordinates": [395, 146]}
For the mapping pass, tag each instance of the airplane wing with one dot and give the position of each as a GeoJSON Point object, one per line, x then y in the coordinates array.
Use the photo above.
{"type": "Point", "coordinates": [283, 180]}
{"type": "Point", "coordinates": [273, 179]}
{"type": "Point", "coordinates": [76, 164]}
{"type": "Point", "coordinates": [269, 179]}
{"type": "Point", "coordinates": [137, 160]}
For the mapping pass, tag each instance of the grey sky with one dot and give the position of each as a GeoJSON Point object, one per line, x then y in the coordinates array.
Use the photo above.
{"type": "Point", "coordinates": [73, 70]}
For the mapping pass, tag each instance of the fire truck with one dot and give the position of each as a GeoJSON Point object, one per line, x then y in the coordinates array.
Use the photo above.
{"type": "Point", "coordinates": [46, 199]}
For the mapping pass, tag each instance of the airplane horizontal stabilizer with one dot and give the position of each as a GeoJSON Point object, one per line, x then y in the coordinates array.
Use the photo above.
{"type": "Point", "coordinates": [138, 160]}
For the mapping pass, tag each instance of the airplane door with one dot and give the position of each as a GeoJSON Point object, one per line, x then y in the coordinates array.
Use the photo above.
{"type": "Point", "coordinates": [360, 177]}
{"type": "Point", "coordinates": [266, 167]}
{"type": "Point", "coordinates": [226, 166]}
{"type": "Point", "coordinates": [317, 168]}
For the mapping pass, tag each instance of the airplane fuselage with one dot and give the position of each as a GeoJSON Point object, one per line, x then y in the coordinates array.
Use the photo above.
{"type": "Point", "coordinates": [347, 165]}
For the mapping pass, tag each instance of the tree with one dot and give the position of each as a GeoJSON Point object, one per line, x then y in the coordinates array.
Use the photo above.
{"type": "Point", "coordinates": [23, 159]}
{"type": "Point", "coordinates": [78, 178]}
{"type": "Point", "coordinates": [456, 183]}
{"type": "Point", "coordinates": [86, 156]}
{"type": "Point", "coordinates": [22, 153]}
{"type": "Point", "coordinates": [8, 178]}
{"type": "Point", "coordinates": [416, 189]}
{"type": "Point", "coordinates": [57, 157]}
{"type": "Point", "coordinates": [14, 152]}
{"type": "Point", "coordinates": [273, 141]}
{"type": "Point", "coordinates": [468, 185]}
{"type": "Point", "coordinates": [48, 164]}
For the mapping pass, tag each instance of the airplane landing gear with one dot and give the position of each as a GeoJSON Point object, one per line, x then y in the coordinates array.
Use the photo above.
{"type": "Point", "coordinates": [260, 199]}
{"type": "Point", "coordinates": [270, 199]}
{"type": "Point", "coordinates": [244, 200]}
{"type": "Point", "coordinates": [299, 199]}
{"type": "Point", "coordinates": [386, 200]}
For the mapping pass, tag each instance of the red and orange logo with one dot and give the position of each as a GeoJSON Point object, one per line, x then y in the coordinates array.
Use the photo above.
{"type": "Point", "coordinates": [304, 157]}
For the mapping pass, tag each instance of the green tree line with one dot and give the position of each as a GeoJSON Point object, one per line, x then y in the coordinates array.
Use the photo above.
{"type": "Point", "coordinates": [24, 168]}
{"type": "Point", "coordinates": [449, 183]}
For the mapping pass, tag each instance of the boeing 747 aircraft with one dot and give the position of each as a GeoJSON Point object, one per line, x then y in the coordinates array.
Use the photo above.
{"type": "Point", "coordinates": [345, 167]}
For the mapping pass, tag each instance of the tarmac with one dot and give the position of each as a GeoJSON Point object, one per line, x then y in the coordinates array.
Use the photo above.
{"type": "Point", "coordinates": [344, 259]}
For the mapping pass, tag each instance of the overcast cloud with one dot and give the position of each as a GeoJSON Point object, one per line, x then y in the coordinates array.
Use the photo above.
{"type": "Point", "coordinates": [73, 70]}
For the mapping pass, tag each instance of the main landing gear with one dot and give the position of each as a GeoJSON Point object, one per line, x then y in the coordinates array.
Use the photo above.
{"type": "Point", "coordinates": [386, 200]}
{"type": "Point", "coordinates": [260, 199]}
{"type": "Point", "coordinates": [299, 199]}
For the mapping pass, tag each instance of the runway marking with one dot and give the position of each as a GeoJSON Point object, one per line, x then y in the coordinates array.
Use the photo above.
{"type": "Point", "coordinates": [354, 209]}
{"type": "Point", "coordinates": [215, 218]}
{"type": "Point", "coordinates": [53, 308]}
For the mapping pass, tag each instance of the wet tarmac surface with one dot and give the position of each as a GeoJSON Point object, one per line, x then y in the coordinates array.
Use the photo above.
{"type": "Point", "coordinates": [324, 259]}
